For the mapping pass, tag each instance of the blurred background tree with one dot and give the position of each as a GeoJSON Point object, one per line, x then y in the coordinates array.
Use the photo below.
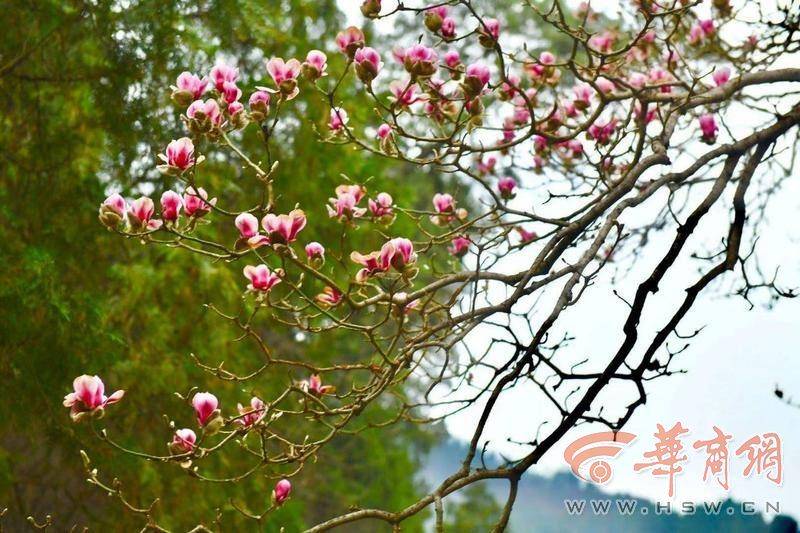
{"type": "Point", "coordinates": [85, 98]}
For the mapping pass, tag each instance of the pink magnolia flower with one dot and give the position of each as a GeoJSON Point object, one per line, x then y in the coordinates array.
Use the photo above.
{"type": "Point", "coordinates": [404, 92]}
{"type": "Point", "coordinates": [420, 60]}
{"type": "Point", "coordinates": [583, 95]}
{"type": "Point", "coordinates": [477, 77]}
{"type": "Point", "coordinates": [247, 224]}
{"type": "Point", "coordinates": [452, 60]}
{"type": "Point", "coordinates": [384, 130]}
{"type": "Point", "coordinates": [637, 80]}
{"type": "Point", "coordinates": [605, 85]}
{"type": "Point", "coordinates": [350, 40]}
{"type": "Point", "coordinates": [399, 54]}
{"type": "Point", "coordinates": [707, 25]}
{"type": "Point", "coordinates": [444, 203]}
{"type": "Point", "coordinates": [695, 34]}
{"type": "Point", "coordinates": [526, 236]}
{"type": "Point", "coordinates": [171, 204]}
{"type": "Point", "coordinates": [183, 441]}
{"type": "Point", "coordinates": [188, 88]}
{"type": "Point", "coordinates": [179, 154]}
{"type": "Point", "coordinates": [89, 397]}
{"type": "Point", "coordinates": [486, 166]}
{"type": "Point", "coordinates": [315, 65]}
{"type": "Point", "coordinates": [281, 491]}
{"type": "Point", "coordinates": [330, 296]}
{"type": "Point", "coordinates": [261, 279]}
{"type": "Point", "coordinates": [205, 407]}
{"type": "Point", "coordinates": [507, 187]}
{"type": "Point", "coordinates": [344, 205]}
{"type": "Point", "coordinates": [141, 212]}
{"type": "Point", "coordinates": [223, 73]}
{"type": "Point", "coordinates": [315, 251]}
{"type": "Point", "coordinates": [448, 29]}
{"type": "Point", "coordinates": [338, 119]}
{"type": "Point", "coordinates": [459, 246]}
{"type": "Point", "coordinates": [117, 204]}
{"type": "Point", "coordinates": [398, 252]}
{"type": "Point", "coordinates": [252, 413]}
{"type": "Point", "coordinates": [721, 76]}
{"type": "Point", "coordinates": [196, 202]}
{"type": "Point", "coordinates": [234, 108]}
{"type": "Point", "coordinates": [489, 32]}
{"type": "Point", "coordinates": [283, 229]}
{"type": "Point", "coordinates": [602, 132]}
{"type": "Point", "coordinates": [603, 42]}
{"type": "Point", "coordinates": [314, 386]}
{"type": "Point", "coordinates": [209, 109]}
{"type": "Point", "coordinates": [381, 206]}
{"type": "Point", "coordinates": [709, 128]}
{"type": "Point", "coordinates": [284, 74]}
{"type": "Point", "coordinates": [231, 92]}
{"type": "Point", "coordinates": [368, 64]}
{"type": "Point", "coordinates": [259, 105]}
{"type": "Point", "coordinates": [371, 264]}
{"type": "Point", "coordinates": [547, 58]}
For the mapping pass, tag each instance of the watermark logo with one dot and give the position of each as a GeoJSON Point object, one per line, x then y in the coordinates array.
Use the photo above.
{"type": "Point", "coordinates": [596, 447]}
{"type": "Point", "coordinates": [589, 457]}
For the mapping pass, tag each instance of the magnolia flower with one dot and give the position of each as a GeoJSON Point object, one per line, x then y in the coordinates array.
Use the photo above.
{"type": "Point", "coordinates": [476, 78]}
{"type": "Point", "coordinates": [188, 88]}
{"type": "Point", "coordinates": [259, 105]}
{"type": "Point", "coordinates": [602, 132]}
{"type": "Point", "coordinates": [344, 205]}
{"type": "Point", "coordinates": [404, 92]}
{"type": "Point", "coordinates": [384, 131]}
{"type": "Point", "coordinates": [525, 236]}
{"type": "Point", "coordinates": [709, 128]}
{"type": "Point", "coordinates": [201, 111]}
{"type": "Point", "coordinates": [330, 296]}
{"type": "Point", "coordinates": [605, 85]}
{"type": "Point", "coordinates": [223, 73]}
{"type": "Point", "coordinates": [459, 246]}
{"type": "Point", "coordinates": [89, 397]}
{"type": "Point", "coordinates": [371, 263]}
{"type": "Point", "coordinates": [284, 74]}
{"type": "Point", "coordinates": [338, 119]}
{"type": "Point", "coordinates": [261, 279]}
{"type": "Point", "coordinates": [205, 407]}
{"type": "Point", "coordinates": [141, 214]}
{"type": "Point", "coordinates": [183, 441]}
{"type": "Point", "coordinates": [443, 203]}
{"type": "Point", "coordinates": [398, 253]}
{"type": "Point", "coordinates": [281, 491]}
{"type": "Point", "coordinates": [196, 202]}
{"type": "Point", "coordinates": [112, 210]}
{"type": "Point", "coordinates": [368, 64]}
{"type": "Point", "coordinates": [315, 251]}
{"type": "Point", "coordinates": [721, 76]}
{"type": "Point", "coordinates": [381, 206]}
{"type": "Point", "coordinates": [420, 60]}
{"type": "Point", "coordinates": [506, 186]}
{"type": "Point", "coordinates": [179, 155]}
{"type": "Point", "coordinates": [283, 229]}
{"type": "Point", "coordinates": [171, 204]}
{"type": "Point", "coordinates": [486, 166]}
{"type": "Point", "coordinates": [230, 92]}
{"type": "Point", "coordinates": [247, 224]}
{"type": "Point", "coordinates": [314, 386]}
{"type": "Point", "coordinates": [350, 40]}
{"type": "Point", "coordinates": [252, 413]}
{"type": "Point", "coordinates": [489, 32]}
{"type": "Point", "coordinates": [315, 65]}
{"type": "Point", "coordinates": [452, 59]}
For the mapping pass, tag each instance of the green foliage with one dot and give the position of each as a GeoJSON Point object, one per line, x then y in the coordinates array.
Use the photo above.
{"type": "Point", "coordinates": [84, 89]}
